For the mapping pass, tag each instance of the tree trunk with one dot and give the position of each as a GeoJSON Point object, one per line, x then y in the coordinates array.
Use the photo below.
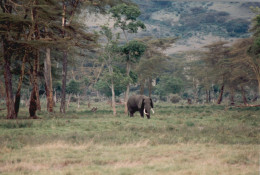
{"type": "Point", "coordinates": [195, 91]}
{"type": "Point", "coordinates": [18, 93]}
{"type": "Point", "coordinates": [232, 99]}
{"type": "Point", "coordinates": [220, 97]}
{"type": "Point", "coordinates": [34, 99]}
{"type": "Point", "coordinates": [258, 80]}
{"type": "Point", "coordinates": [128, 85]}
{"type": "Point", "coordinates": [78, 101]}
{"type": "Point", "coordinates": [48, 80]}
{"type": "Point", "coordinates": [35, 35]}
{"type": "Point", "coordinates": [54, 98]}
{"type": "Point", "coordinates": [113, 98]}
{"type": "Point", "coordinates": [35, 77]}
{"type": "Point", "coordinates": [2, 89]}
{"type": "Point", "coordinates": [33, 104]}
{"type": "Point", "coordinates": [8, 79]}
{"type": "Point", "coordinates": [64, 77]}
{"type": "Point", "coordinates": [68, 104]}
{"type": "Point", "coordinates": [64, 65]}
{"type": "Point", "coordinates": [207, 96]}
{"type": "Point", "coordinates": [244, 95]}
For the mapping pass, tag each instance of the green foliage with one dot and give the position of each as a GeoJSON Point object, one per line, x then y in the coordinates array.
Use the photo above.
{"type": "Point", "coordinates": [254, 50]}
{"type": "Point", "coordinates": [73, 87]}
{"type": "Point", "coordinates": [57, 86]}
{"type": "Point", "coordinates": [168, 84]}
{"type": "Point", "coordinates": [133, 50]}
{"type": "Point", "coordinates": [119, 79]}
{"type": "Point", "coordinates": [126, 17]}
{"type": "Point", "coordinates": [85, 81]}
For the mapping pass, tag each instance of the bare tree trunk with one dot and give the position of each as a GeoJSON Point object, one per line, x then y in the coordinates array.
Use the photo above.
{"type": "Point", "coordinates": [33, 104]}
{"type": "Point", "coordinates": [2, 89]}
{"type": "Point", "coordinates": [244, 95]}
{"type": "Point", "coordinates": [48, 80]}
{"type": "Point", "coordinates": [232, 99]}
{"type": "Point", "coordinates": [73, 75]}
{"type": "Point", "coordinates": [99, 72]}
{"type": "Point", "coordinates": [113, 98]}
{"type": "Point", "coordinates": [34, 100]}
{"type": "Point", "coordinates": [54, 98]}
{"type": "Point", "coordinates": [35, 77]}
{"type": "Point", "coordinates": [18, 92]}
{"type": "Point", "coordinates": [78, 101]}
{"type": "Point", "coordinates": [35, 35]}
{"type": "Point", "coordinates": [258, 80]}
{"type": "Point", "coordinates": [220, 97]}
{"type": "Point", "coordinates": [128, 85]}
{"type": "Point", "coordinates": [195, 91]}
{"type": "Point", "coordinates": [63, 89]}
{"type": "Point", "coordinates": [64, 67]}
{"type": "Point", "coordinates": [207, 96]}
{"type": "Point", "coordinates": [8, 79]}
{"type": "Point", "coordinates": [68, 104]}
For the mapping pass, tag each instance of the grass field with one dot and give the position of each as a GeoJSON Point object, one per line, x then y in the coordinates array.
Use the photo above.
{"type": "Point", "coordinates": [178, 139]}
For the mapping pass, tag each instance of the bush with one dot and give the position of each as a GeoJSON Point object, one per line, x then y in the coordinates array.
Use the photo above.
{"type": "Point", "coordinates": [175, 98]}
{"type": "Point", "coordinates": [163, 98]}
{"type": "Point", "coordinates": [73, 99]}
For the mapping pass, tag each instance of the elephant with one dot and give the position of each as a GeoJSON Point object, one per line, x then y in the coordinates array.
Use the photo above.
{"type": "Point", "coordinates": [140, 103]}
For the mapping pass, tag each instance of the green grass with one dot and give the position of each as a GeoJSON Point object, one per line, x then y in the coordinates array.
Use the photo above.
{"type": "Point", "coordinates": [178, 139]}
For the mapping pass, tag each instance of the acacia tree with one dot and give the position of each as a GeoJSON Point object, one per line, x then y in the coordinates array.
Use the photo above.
{"type": "Point", "coordinates": [6, 37]}
{"type": "Point", "coordinates": [245, 68]}
{"type": "Point", "coordinates": [217, 57]}
{"type": "Point", "coordinates": [109, 56]}
{"type": "Point", "coordinates": [19, 32]}
{"type": "Point", "coordinates": [154, 62]}
{"type": "Point", "coordinates": [126, 19]}
{"type": "Point", "coordinates": [70, 8]}
{"type": "Point", "coordinates": [168, 84]}
{"type": "Point", "coordinates": [254, 49]}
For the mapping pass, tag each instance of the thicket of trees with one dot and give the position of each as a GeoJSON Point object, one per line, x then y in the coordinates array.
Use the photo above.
{"type": "Point", "coordinates": [47, 52]}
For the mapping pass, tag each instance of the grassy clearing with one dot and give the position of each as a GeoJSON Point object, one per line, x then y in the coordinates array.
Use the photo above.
{"type": "Point", "coordinates": [177, 140]}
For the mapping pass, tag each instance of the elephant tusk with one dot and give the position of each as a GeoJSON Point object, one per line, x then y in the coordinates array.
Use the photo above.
{"type": "Point", "coordinates": [152, 110]}
{"type": "Point", "coordinates": [145, 112]}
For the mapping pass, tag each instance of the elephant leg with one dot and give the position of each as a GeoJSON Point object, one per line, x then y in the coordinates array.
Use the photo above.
{"type": "Point", "coordinates": [141, 113]}
{"type": "Point", "coordinates": [131, 114]}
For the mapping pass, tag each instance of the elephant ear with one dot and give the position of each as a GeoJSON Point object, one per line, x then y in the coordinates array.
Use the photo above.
{"type": "Point", "coordinates": [151, 102]}
{"type": "Point", "coordinates": [141, 101]}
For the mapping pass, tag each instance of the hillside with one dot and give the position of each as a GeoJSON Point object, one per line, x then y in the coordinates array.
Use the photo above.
{"type": "Point", "coordinates": [196, 23]}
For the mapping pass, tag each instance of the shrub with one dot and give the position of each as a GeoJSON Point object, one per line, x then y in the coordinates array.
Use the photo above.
{"type": "Point", "coordinates": [73, 99]}
{"type": "Point", "coordinates": [175, 98]}
{"type": "Point", "coordinates": [163, 98]}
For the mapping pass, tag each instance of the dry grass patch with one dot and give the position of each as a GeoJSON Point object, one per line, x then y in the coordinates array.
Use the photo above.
{"type": "Point", "coordinates": [139, 158]}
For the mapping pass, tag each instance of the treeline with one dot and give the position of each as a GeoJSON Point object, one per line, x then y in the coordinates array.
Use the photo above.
{"type": "Point", "coordinates": [35, 35]}
{"type": "Point", "coordinates": [47, 49]}
{"type": "Point", "coordinates": [233, 68]}
{"type": "Point", "coordinates": [44, 44]}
